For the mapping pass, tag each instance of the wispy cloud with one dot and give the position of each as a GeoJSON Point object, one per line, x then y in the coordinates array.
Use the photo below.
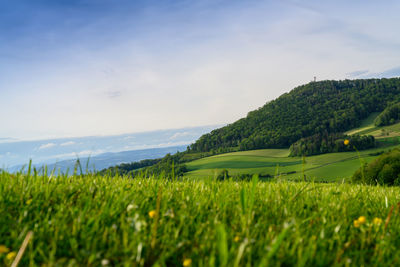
{"type": "Point", "coordinates": [83, 153]}
{"type": "Point", "coordinates": [129, 137]}
{"type": "Point", "coordinates": [389, 73]}
{"type": "Point", "coordinates": [179, 135]}
{"type": "Point", "coordinates": [356, 73]}
{"type": "Point", "coordinates": [7, 140]}
{"type": "Point", "coordinates": [48, 145]}
{"type": "Point", "coordinates": [393, 72]}
{"type": "Point", "coordinates": [69, 143]}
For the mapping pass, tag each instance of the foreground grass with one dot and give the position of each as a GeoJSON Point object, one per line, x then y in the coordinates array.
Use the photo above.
{"type": "Point", "coordinates": [94, 221]}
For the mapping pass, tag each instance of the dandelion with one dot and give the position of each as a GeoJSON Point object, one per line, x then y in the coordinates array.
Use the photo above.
{"type": "Point", "coordinates": [187, 262]}
{"type": "Point", "coordinates": [10, 256]}
{"type": "Point", "coordinates": [28, 202]}
{"type": "Point", "coordinates": [3, 249]}
{"type": "Point", "coordinates": [346, 142]}
{"type": "Point", "coordinates": [362, 219]}
{"type": "Point", "coordinates": [236, 239]}
{"type": "Point", "coordinates": [377, 221]}
{"type": "Point", "coordinates": [152, 214]}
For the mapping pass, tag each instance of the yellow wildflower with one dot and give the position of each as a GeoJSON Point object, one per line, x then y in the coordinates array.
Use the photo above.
{"type": "Point", "coordinates": [29, 201]}
{"type": "Point", "coordinates": [10, 256]}
{"type": "Point", "coordinates": [152, 214]}
{"type": "Point", "coordinates": [3, 249]}
{"type": "Point", "coordinates": [187, 262]}
{"type": "Point", "coordinates": [362, 219]}
{"type": "Point", "coordinates": [377, 221]}
{"type": "Point", "coordinates": [346, 142]}
{"type": "Point", "coordinates": [236, 239]}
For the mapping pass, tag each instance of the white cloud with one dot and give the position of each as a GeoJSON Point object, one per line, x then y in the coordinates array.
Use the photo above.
{"type": "Point", "coordinates": [128, 137]}
{"type": "Point", "coordinates": [357, 73]}
{"type": "Point", "coordinates": [178, 135]}
{"type": "Point", "coordinates": [179, 143]}
{"type": "Point", "coordinates": [69, 143]}
{"type": "Point", "coordinates": [7, 140]}
{"type": "Point", "coordinates": [83, 153]}
{"type": "Point", "coordinates": [48, 145]}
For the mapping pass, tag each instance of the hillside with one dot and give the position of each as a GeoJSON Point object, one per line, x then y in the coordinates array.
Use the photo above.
{"type": "Point", "coordinates": [329, 108]}
{"type": "Point", "coordinates": [326, 167]}
{"type": "Point", "coordinates": [317, 107]}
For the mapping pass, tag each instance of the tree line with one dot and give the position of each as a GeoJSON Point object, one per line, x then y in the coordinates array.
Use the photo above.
{"type": "Point", "coordinates": [330, 142]}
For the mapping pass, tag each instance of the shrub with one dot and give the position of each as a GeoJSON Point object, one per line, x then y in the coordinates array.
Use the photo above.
{"type": "Point", "coordinates": [223, 175]}
{"type": "Point", "coordinates": [383, 170]}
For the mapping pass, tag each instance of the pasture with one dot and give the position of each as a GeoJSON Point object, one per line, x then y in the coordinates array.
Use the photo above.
{"type": "Point", "coordinates": [275, 162]}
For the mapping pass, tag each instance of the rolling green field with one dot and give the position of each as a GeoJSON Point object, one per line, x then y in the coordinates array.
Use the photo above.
{"type": "Point", "coordinates": [114, 221]}
{"type": "Point", "coordinates": [325, 167]}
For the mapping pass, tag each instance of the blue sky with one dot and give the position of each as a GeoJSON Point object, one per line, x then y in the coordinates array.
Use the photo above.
{"type": "Point", "coordinates": [102, 67]}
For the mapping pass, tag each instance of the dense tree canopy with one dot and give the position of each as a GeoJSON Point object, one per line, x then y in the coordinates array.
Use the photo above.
{"type": "Point", "coordinates": [317, 107]}
{"type": "Point", "coordinates": [328, 143]}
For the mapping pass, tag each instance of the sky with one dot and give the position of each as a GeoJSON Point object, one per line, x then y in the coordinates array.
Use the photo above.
{"type": "Point", "coordinates": [73, 68]}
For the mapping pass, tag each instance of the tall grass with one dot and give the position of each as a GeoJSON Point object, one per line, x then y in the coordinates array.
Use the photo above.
{"type": "Point", "coordinates": [89, 220]}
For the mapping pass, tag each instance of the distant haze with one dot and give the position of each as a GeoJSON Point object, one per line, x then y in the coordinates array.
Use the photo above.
{"type": "Point", "coordinates": [101, 161]}
{"type": "Point", "coordinates": [49, 151]}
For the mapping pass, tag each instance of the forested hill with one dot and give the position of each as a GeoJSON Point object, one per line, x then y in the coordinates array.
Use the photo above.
{"type": "Point", "coordinates": [317, 107]}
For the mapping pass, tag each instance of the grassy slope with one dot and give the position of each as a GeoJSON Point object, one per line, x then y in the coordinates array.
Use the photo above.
{"type": "Point", "coordinates": [326, 167]}
{"type": "Point", "coordinates": [94, 221]}
{"type": "Point", "coordinates": [368, 127]}
{"type": "Point", "coordinates": [249, 162]}
{"type": "Point", "coordinates": [366, 124]}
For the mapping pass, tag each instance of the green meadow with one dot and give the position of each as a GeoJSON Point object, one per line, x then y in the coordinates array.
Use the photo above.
{"type": "Point", "coordinates": [95, 220]}
{"type": "Point", "coordinates": [367, 127]}
{"type": "Point", "coordinates": [275, 162]}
